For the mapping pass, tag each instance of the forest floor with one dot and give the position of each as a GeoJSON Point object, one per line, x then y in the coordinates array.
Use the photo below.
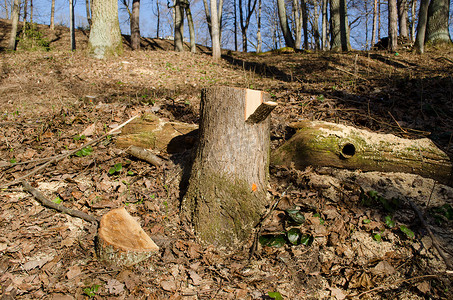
{"type": "Point", "coordinates": [57, 100]}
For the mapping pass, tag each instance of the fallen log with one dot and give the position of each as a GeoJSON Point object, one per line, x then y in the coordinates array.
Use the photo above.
{"type": "Point", "coordinates": [319, 143]}
{"type": "Point", "coordinates": [121, 241]}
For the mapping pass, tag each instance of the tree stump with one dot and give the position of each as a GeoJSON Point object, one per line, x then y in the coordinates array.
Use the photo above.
{"type": "Point", "coordinates": [227, 190]}
{"type": "Point", "coordinates": [121, 241]}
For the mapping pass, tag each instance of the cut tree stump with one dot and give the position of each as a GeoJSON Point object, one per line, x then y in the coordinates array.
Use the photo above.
{"type": "Point", "coordinates": [152, 132]}
{"type": "Point", "coordinates": [319, 143]}
{"type": "Point", "coordinates": [227, 190]}
{"type": "Point", "coordinates": [121, 241]}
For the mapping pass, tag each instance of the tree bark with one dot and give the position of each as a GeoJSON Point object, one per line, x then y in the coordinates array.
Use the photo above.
{"type": "Point", "coordinates": [15, 21]}
{"type": "Point", "coordinates": [421, 27]}
{"type": "Point", "coordinates": [289, 41]}
{"type": "Point", "coordinates": [245, 22]}
{"type": "Point", "coordinates": [193, 47]}
{"type": "Point", "coordinates": [314, 25]}
{"type": "Point", "coordinates": [135, 25]}
{"type": "Point", "coordinates": [297, 22]}
{"type": "Point", "coordinates": [105, 35]}
{"type": "Point", "coordinates": [375, 17]}
{"type": "Point", "coordinates": [227, 190]}
{"type": "Point", "coordinates": [258, 32]}
{"type": "Point", "coordinates": [335, 32]}
{"type": "Point", "coordinates": [215, 31]}
{"type": "Point", "coordinates": [329, 144]}
{"type": "Point", "coordinates": [52, 16]}
{"type": "Point", "coordinates": [71, 25]}
{"type": "Point", "coordinates": [392, 25]}
{"type": "Point", "coordinates": [305, 22]}
{"type": "Point", "coordinates": [87, 7]}
{"type": "Point", "coordinates": [179, 26]}
{"type": "Point", "coordinates": [324, 25]}
{"type": "Point", "coordinates": [402, 18]}
{"type": "Point", "coordinates": [437, 25]}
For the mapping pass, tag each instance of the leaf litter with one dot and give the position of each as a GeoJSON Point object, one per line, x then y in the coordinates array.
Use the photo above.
{"type": "Point", "coordinates": [49, 254]}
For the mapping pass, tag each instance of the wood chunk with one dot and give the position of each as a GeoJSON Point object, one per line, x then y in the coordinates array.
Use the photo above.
{"type": "Point", "coordinates": [121, 240]}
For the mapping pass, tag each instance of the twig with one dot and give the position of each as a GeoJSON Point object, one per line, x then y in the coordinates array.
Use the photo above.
{"type": "Point", "coordinates": [72, 212]}
{"type": "Point", "coordinates": [397, 122]}
{"type": "Point", "coordinates": [61, 156]}
{"type": "Point", "coordinates": [420, 216]}
{"type": "Point", "coordinates": [347, 72]}
{"type": "Point", "coordinates": [395, 282]}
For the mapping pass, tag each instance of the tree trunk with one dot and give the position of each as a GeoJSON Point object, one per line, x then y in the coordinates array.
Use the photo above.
{"type": "Point", "coordinates": [289, 41]}
{"type": "Point", "coordinates": [158, 18]}
{"type": "Point", "coordinates": [392, 25]}
{"type": "Point", "coordinates": [179, 26]}
{"type": "Point", "coordinates": [31, 11]}
{"type": "Point", "coordinates": [227, 190]}
{"type": "Point", "coordinates": [324, 25]}
{"type": "Point", "coordinates": [135, 25]}
{"type": "Point", "coordinates": [258, 32]}
{"type": "Point", "coordinates": [52, 16]}
{"type": "Point", "coordinates": [25, 13]}
{"type": "Point", "coordinates": [6, 9]}
{"type": "Point", "coordinates": [412, 24]}
{"type": "Point", "coordinates": [215, 31]}
{"type": "Point", "coordinates": [193, 47]}
{"type": "Point", "coordinates": [297, 22]}
{"type": "Point", "coordinates": [87, 7]}
{"type": "Point", "coordinates": [421, 26]}
{"type": "Point", "coordinates": [437, 25]}
{"type": "Point", "coordinates": [15, 21]}
{"type": "Point", "coordinates": [314, 26]}
{"type": "Point", "coordinates": [402, 18]}
{"type": "Point", "coordinates": [305, 23]}
{"type": "Point", "coordinates": [71, 25]}
{"type": "Point", "coordinates": [335, 31]}
{"type": "Point", "coordinates": [235, 27]}
{"type": "Point", "coordinates": [105, 35]}
{"type": "Point", "coordinates": [375, 17]}
{"type": "Point", "coordinates": [344, 26]}
{"type": "Point", "coordinates": [328, 144]}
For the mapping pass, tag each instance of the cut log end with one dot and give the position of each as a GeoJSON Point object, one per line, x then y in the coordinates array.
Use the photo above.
{"type": "Point", "coordinates": [121, 240]}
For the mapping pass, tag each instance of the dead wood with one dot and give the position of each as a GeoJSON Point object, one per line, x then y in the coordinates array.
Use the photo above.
{"type": "Point", "coordinates": [328, 144]}
{"type": "Point", "coordinates": [145, 154]}
{"type": "Point", "coordinates": [61, 208]}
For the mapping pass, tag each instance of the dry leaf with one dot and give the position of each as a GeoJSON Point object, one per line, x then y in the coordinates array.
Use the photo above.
{"type": "Point", "coordinates": [89, 131]}
{"type": "Point", "coordinates": [197, 280]}
{"type": "Point", "coordinates": [73, 272]}
{"type": "Point", "coordinates": [337, 293]}
{"type": "Point", "coordinates": [168, 285]}
{"type": "Point", "coordinates": [383, 268]}
{"type": "Point", "coordinates": [114, 286]}
{"type": "Point", "coordinates": [424, 287]}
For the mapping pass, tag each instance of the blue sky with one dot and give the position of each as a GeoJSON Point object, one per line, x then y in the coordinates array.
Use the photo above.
{"type": "Point", "coordinates": [148, 20]}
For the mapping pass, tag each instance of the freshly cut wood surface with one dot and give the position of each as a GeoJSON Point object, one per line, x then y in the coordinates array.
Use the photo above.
{"type": "Point", "coordinates": [121, 240]}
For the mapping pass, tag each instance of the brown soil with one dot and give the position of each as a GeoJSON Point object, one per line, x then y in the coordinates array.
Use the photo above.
{"type": "Point", "coordinates": [49, 98]}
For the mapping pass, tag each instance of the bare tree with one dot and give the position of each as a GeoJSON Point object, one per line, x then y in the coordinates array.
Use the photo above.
{"type": "Point", "coordinates": [87, 7]}
{"type": "Point", "coordinates": [135, 25]}
{"type": "Point", "coordinates": [392, 25]}
{"type": "Point", "coordinates": [215, 31]}
{"type": "Point", "coordinates": [52, 16]}
{"type": "Point", "coordinates": [375, 19]}
{"type": "Point", "coordinates": [245, 21]}
{"type": "Point", "coordinates": [297, 21]}
{"type": "Point", "coordinates": [421, 26]}
{"type": "Point", "coordinates": [437, 25]}
{"type": "Point", "coordinates": [324, 24]}
{"type": "Point", "coordinates": [71, 25]}
{"type": "Point", "coordinates": [339, 25]}
{"type": "Point", "coordinates": [289, 40]}
{"type": "Point", "coordinates": [15, 21]}
{"type": "Point", "coordinates": [105, 35]}
{"type": "Point", "coordinates": [193, 47]}
{"type": "Point", "coordinates": [179, 25]}
{"type": "Point", "coordinates": [258, 32]}
{"type": "Point", "coordinates": [402, 18]}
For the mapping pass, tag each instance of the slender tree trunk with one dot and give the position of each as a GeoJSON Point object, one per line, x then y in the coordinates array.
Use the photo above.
{"type": "Point", "coordinates": [105, 35]}
{"type": "Point", "coordinates": [179, 26]}
{"type": "Point", "coordinates": [235, 27]}
{"type": "Point", "coordinates": [208, 16]}
{"type": "Point", "coordinates": [25, 12]}
{"type": "Point", "coordinates": [437, 25]}
{"type": "Point", "coordinates": [335, 39]}
{"type": "Point", "coordinates": [421, 26]}
{"type": "Point", "coordinates": [379, 21]}
{"type": "Point", "coordinates": [88, 10]}
{"type": "Point", "coordinates": [71, 25]}
{"type": "Point", "coordinates": [6, 9]}
{"type": "Point", "coordinates": [344, 26]}
{"type": "Point", "coordinates": [324, 25]}
{"type": "Point", "coordinates": [402, 18]}
{"type": "Point", "coordinates": [215, 36]}
{"type": "Point", "coordinates": [158, 18]}
{"type": "Point", "coordinates": [412, 24]}
{"type": "Point", "coordinates": [52, 16]}
{"type": "Point", "coordinates": [15, 21]}
{"type": "Point", "coordinates": [245, 22]}
{"type": "Point", "coordinates": [135, 25]}
{"type": "Point", "coordinates": [392, 25]}
{"type": "Point", "coordinates": [314, 26]}
{"type": "Point", "coordinates": [31, 11]}
{"type": "Point", "coordinates": [375, 17]}
{"type": "Point", "coordinates": [305, 22]}
{"type": "Point", "coordinates": [297, 17]}
{"type": "Point", "coordinates": [258, 33]}
{"type": "Point", "coordinates": [289, 41]}
{"type": "Point", "coordinates": [193, 47]}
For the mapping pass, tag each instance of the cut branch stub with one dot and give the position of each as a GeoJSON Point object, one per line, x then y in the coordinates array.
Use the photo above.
{"type": "Point", "coordinates": [121, 240]}
{"type": "Point", "coordinates": [257, 106]}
